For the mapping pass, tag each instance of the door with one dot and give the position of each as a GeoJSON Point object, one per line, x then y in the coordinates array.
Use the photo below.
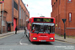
{"type": "Point", "coordinates": [8, 27]}
{"type": "Point", "coordinates": [15, 23]}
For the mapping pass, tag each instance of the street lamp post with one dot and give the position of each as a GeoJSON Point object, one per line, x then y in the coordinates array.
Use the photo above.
{"type": "Point", "coordinates": [64, 20]}
{"type": "Point", "coordinates": [0, 18]}
{"type": "Point", "coordinates": [1, 1]}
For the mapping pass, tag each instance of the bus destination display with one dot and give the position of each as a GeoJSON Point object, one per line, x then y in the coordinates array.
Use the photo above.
{"type": "Point", "coordinates": [43, 20]}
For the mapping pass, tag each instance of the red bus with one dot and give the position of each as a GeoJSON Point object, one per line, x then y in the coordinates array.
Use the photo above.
{"type": "Point", "coordinates": [41, 29]}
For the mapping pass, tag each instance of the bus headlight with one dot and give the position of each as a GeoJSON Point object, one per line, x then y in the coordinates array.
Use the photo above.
{"type": "Point", "coordinates": [34, 38]}
{"type": "Point", "coordinates": [51, 38]}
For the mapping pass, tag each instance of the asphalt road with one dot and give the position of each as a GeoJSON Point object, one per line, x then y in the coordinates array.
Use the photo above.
{"type": "Point", "coordinates": [20, 42]}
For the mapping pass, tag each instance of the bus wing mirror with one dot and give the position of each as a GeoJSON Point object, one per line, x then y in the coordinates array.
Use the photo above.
{"type": "Point", "coordinates": [48, 32]}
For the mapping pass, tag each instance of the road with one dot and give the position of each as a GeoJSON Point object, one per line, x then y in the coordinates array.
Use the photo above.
{"type": "Point", "coordinates": [20, 42]}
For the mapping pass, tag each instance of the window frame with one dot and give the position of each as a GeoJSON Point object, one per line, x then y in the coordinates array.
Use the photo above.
{"type": "Point", "coordinates": [69, 16]}
{"type": "Point", "coordinates": [56, 0]}
{"type": "Point", "coordinates": [69, 1]}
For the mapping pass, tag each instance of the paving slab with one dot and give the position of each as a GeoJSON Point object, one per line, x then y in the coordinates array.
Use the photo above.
{"type": "Point", "coordinates": [69, 40]}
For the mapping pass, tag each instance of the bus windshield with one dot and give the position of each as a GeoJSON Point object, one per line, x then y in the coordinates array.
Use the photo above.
{"type": "Point", "coordinates": [43, 28]}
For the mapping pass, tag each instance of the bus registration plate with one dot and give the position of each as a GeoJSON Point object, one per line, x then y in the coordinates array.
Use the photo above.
{"type": "Point", "coordinates": [43, 40]}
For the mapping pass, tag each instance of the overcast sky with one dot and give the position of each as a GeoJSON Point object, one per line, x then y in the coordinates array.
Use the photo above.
{"type": "Point", "coordinates": [39, 7]}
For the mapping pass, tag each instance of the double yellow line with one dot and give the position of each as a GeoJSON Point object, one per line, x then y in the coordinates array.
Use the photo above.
{"type": "Point", "coordinates": [1, 37]}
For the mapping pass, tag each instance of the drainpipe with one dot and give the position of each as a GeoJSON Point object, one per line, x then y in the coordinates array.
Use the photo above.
{"type": "Point", "coordinates": [18, 13]}
{"type": "Point", "coordinates": [12, 12]}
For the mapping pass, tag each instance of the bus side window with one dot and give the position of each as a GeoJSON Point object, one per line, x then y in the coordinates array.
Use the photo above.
{"type": "Point", "coordinates": [28, 25]}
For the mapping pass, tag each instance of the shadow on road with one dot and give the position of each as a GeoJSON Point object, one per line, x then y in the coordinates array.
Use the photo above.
{"type": "Point", "coordinates": [41, 43]}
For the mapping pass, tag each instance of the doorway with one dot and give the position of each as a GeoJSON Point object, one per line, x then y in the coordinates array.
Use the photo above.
{"type": "Point", "coordinates": [15, 23]}
{"type": "Point", "coordinates": [8, 27]}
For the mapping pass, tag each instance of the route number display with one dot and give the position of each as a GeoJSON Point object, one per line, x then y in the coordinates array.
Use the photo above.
{"type": "Point", "coordinates": [43, 20]}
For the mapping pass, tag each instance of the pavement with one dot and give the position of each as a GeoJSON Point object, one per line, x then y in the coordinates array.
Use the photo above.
{"type": "Point", "coordinates": [57, 37]}
{"type": "Point", "coordinates": [68, 40]}
{"type": "Point", "coordinates": [10, 33]}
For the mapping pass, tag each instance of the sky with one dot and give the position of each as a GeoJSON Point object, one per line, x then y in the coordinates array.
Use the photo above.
{"type": "Point", "coordinates": [39, 8]}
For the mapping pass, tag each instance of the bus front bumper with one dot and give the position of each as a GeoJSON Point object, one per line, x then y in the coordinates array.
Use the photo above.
{"type": "Point", "coordinates": [42, 40]}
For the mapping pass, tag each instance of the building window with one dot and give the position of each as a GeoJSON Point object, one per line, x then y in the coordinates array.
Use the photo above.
{"type": "Point", "coordinates": [56, 0]}
{"type": "Point", "coordinates": [70, 16]}
{"type": "Point", "coordinates": [52, 5]}
{"type": "Point", "coordinates": [26, 15]}
{"type": "Point", "coordinates": [69, 0]}
{"type": "Point", "coordinates": [15, 5]}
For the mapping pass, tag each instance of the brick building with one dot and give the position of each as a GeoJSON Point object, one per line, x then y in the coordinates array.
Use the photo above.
{"type": "Point", "coordinates": [23, 14]}
{"type": "Point", "coordinates": [17, 14]}
{"type": "Point", "coordinates": [64, 9]}
{"type": "Point", "coordinates": [4, 22]}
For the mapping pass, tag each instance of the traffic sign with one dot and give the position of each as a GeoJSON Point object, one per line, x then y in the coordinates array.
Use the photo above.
{"type": "Point", "coordinates": [1, 1]}
{"type": "Point", "coordinates": [64, 20]}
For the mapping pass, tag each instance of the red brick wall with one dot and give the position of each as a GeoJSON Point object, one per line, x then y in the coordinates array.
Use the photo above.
{"type": "Point", "coordinates": [8, 8]}
{"type": "Point", "coordinates": [60, 10]}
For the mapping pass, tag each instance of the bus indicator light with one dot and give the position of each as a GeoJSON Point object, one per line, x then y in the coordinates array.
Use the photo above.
{"type": "Point", "coordinates": [31, 34]}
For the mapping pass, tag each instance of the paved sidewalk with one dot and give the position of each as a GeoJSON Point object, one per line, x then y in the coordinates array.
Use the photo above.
{"type": "Point", "coordinates": [68, 40]}
{"type": "Point", "coordinates": [9, 33]}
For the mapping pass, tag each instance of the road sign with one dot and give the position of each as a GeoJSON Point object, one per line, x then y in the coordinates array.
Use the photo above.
{"type": "Point", "coordinates": [1, 1]}
{"type": "Point", "coordinates": [64, 20]}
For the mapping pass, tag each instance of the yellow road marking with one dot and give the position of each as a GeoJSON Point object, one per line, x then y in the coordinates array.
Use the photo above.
{"type": "Point", "coordinates": [5, 36]}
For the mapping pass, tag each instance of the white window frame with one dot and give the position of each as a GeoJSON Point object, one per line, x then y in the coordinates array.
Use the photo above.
{"type": "Point", "coordinates": [70, 0]}
{"type": "Point", "coordinates": [70, 16]}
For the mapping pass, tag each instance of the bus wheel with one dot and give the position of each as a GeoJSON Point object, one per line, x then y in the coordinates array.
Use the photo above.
{"type": "Point", "coordinates": [26, 35]}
